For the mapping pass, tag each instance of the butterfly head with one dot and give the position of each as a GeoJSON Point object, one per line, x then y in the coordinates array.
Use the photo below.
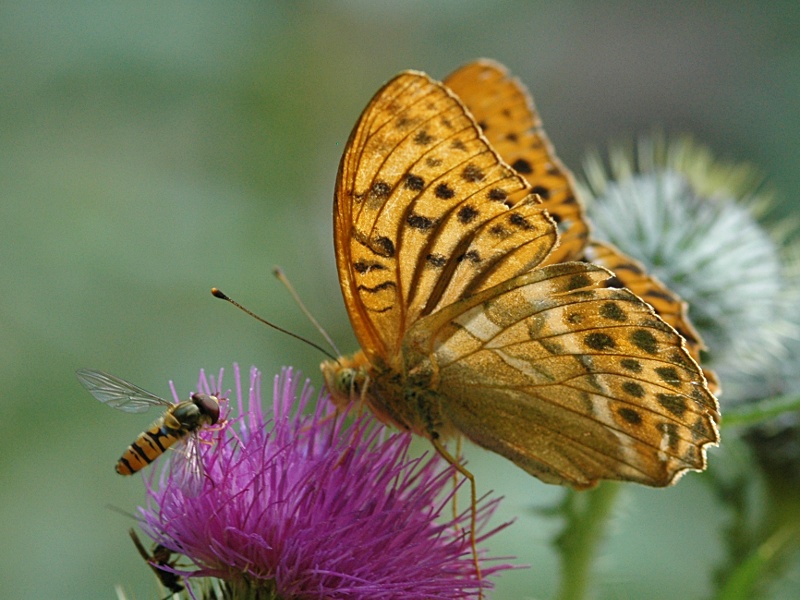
{"type": "Point", "coordinates": [346, 378]}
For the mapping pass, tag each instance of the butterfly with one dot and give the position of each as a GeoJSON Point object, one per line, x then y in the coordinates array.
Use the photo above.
{"type": "Point", "coordinates": [464, 261]}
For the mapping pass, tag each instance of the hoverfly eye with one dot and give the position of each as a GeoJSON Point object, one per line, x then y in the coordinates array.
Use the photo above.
{"type": "Point", "coordinates": [208, 405]}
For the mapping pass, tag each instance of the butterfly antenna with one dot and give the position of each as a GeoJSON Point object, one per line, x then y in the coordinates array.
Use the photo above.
{"type": "Point", "coordinates": [281, 276]}
{"type": "Point", "coordinates": [222, 296]}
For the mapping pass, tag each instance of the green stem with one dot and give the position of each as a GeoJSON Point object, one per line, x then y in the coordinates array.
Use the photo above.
{"type": "Point", "coordinates": [743, 582]}
{"type": "Point", "coordinates": [587, 515]}
{"type": "Point", "coordinates": [756, 412]}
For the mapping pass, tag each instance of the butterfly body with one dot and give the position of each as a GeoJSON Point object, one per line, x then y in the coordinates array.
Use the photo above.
{"type": "Point", "coordinates": [474, 321]}
{"type": "Point", "coordinates": [406, 400]}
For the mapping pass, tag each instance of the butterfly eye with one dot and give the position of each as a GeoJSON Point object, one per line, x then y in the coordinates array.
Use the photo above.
{"type": "Point", "coordinates": [343, 383]}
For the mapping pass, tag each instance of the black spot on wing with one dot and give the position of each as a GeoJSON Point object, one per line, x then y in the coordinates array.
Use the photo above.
{"type": "Point", "coordinates": [423, 138]}
{"type": "Point", "coordinates": [520, 222]}
{"type": "Point", "coordinates": [579, 281]}
{"type": "Point", "coordinates": [467, 214]}
{"type": "Point", "coordinates": [380, 190]}
{"type": "Point", "coordinates": [364, 266]}
{"type": "Point", "coordinates": [383, 246]}
{"type": "Point", "coordinates": [630, 415]}
{"type": "Point", "coordinates": [498, 195]}
{"type": "Point", "coordinates": [499, 231]}
{"type": "Point", "coordinates": [631, 364]}
{"type": "Point", "coordinates": [673, 403]}
{"type": "Point", "coordinates": [599, 341]}
{"type": "Point", "coordinates": [414, 183]}
{"type": "Point", "coordinates": [541, 191]}
{"type": "Point", "coordinates": [433, 162]}
{"type": "Point", "coordinates": [420, 222]}
{"type": "Point", "coordinates": [436, 260]}
{"type": "Point", "coordinates": [522, 166]}
{"type": "Point", "coordinates": [471, 256]}
{"type": "Point", "coordinates": [669, 375]}
{"type": "Point", "coordinates": [633, 389]}
{"type": "Point", "coordinates": [386, 285]}
{"type": "Point", "coordinates": [644, 340]}
{"type": "Point", "coordinates": [444, 191]}
{"type": "Point", "coordinates": [472, 173]}
{"type": "Point", "coordinates": [612, 311]}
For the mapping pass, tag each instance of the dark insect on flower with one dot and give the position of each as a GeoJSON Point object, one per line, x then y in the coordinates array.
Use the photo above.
{"type": "Point", "coordinates": [157, 560]}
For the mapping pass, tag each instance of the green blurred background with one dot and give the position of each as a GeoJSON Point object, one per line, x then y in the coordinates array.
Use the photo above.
{"type": "Point", "coordinates": [152, 150]}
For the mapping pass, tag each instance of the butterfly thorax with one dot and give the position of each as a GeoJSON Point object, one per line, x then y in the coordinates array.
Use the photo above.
{"type": "Point", "coordinates": [405, 400]}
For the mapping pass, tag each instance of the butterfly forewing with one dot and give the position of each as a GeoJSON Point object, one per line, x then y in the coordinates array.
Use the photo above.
{"type": "Point", "coordinates": [423, 212]}
{"type": "Point", "coordinates": [504, 110]}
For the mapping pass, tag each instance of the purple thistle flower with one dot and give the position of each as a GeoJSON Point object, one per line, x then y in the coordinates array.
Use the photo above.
{"type": "Point", "coordinates": [297, 506]}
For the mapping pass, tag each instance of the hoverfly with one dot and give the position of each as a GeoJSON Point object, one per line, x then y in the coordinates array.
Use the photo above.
{"type": "Point", "coordinates": [180, 422]}
{"type": "Point", "coordinates": [160, 558]}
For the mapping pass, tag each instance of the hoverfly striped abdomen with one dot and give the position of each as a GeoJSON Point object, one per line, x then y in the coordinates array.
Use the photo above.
{"type": "Point", "coordinates": [179, 421]}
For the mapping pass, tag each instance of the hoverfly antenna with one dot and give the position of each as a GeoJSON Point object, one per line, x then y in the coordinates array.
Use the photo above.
{"type": "Point", "coordinates": [281, 276]}
{"type": "Point", "coordinates": [217, 293]}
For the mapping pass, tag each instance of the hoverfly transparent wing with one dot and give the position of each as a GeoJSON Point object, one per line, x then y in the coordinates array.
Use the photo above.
{"type": "Point", "coordinates": [118, 393]}
{"type": "Point", "coordinates": [187, 466]}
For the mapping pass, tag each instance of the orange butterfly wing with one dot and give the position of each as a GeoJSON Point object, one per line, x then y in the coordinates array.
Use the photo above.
{"type": "Point", "coordinates": [506, 114]}
{"type": "Point", "coordinates": [571, 381]}
{"type": "Point", "coordinates": [423, 213]}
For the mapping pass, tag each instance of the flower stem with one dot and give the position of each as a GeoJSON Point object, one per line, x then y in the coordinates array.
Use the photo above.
{"type": "Point", "coordinates": [745, 578]}
{"type": "Point", "coordinates": [586, 516]}
{"type": "Point", "coordinates": [756, 412]}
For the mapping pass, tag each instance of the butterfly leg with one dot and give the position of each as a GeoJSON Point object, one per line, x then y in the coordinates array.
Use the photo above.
{"type": "Point", "coordinates": [359, 411]}
{"type": "Point", "coordinates": [455, 479]}
{"type": "Point", "coordinates": [474, 503]}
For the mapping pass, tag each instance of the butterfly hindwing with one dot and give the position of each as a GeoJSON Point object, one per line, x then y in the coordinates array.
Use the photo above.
{"type": "Point", "coordinates": [631, 274]}
{"type": "Point", "coordinates": [581, 382]}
